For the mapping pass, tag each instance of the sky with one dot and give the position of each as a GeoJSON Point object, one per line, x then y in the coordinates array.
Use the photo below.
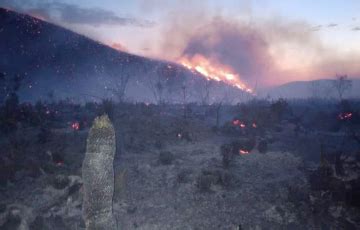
{"type": "Point", "coordinates": [267, 41]}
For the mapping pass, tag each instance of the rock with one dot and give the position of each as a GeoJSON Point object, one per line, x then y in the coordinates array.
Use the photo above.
{"type": "Point", "coordinates": [60, 181]}
{"type": "Point", "coordinates": [274, 214]}
{"type": "Point", "coordinates": [16, 217]}
{"type": "Point", "coordinates": [49, 223]}
{"type": "Point", "coordinates": [166, 157]}
{"type": "Point", "coordinates": [131, 209]}
{"type": "Point", "coordinates": [38, 224]}
{"type": "Point", "coordinates": [280, 215]}
{"type": "Point", "coordinates": [184, 176]}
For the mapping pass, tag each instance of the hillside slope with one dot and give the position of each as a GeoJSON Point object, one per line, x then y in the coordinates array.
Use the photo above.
{"type": "Point", "coordinates": [59, 62]}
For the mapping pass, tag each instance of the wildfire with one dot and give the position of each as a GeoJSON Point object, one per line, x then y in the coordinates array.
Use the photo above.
{"type": "Point", "coordinates": [213, 71]}
{"type": "Point", "coordinates": [345, 116]}
{"type": "Point", "coordinates": [37, 16]}
{"type": "Point", "coordinates": [59, 163]}
{"type": "Point", "coordinates": [243, 152]}
{"type": "Point", "coordinates": [75, 126]}
{"type": "Point", "coordinates": [239, 123]}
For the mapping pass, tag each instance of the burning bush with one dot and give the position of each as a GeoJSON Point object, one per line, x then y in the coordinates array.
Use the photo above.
{"type": "Point", "coordinates": [204, 182]}
{"type": "Point", "coordinates": [238, 147]}
{"type": "Point", "coordinates": [243, 146]}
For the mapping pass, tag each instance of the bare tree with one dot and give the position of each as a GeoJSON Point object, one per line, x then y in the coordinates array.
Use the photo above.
{"type": "Point", "coordinates": [156, 85]}
{"type": "Point", "coordinates": [162, 82]}
{"type": "Point", "coordinates": [218, 111]}
{"type": "Point", "coordinates": [342, 85]}
{"type": "Point", "coordinates": [205, 92]}
{"type": "Point", "coordinates": [121, 79]}
{"type": "Point", "coordinates": [355, 136]}
{"type": "Point", "coordinates": [9, 85]}
{"type": "Point", "coordinates": [184, 99]}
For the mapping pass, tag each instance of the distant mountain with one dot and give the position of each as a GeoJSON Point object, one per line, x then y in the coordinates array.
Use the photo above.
{"type": "Point", "coordinates": [304, 89]}
{"type": "Point", "coordinates": [57, 62]}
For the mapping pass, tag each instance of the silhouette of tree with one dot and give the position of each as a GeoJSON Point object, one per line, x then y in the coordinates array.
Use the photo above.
{"type": "Point", "coordinates": [342, 85]}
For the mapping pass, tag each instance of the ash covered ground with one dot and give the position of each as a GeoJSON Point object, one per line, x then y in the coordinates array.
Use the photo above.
{"type": "Point", "coordinates": [257, 165]}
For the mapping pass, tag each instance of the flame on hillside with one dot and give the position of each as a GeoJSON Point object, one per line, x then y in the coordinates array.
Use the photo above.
{"type": "Point", "coordinates": [213, 71]}
{"type": "Point", "coordinates": [119, 47]}
{"type": "Point", "coordinates": [38, 16]}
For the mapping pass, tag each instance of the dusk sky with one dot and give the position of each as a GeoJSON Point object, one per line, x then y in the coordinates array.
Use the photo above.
{"type": "Point", "coordinates": [278, 40]}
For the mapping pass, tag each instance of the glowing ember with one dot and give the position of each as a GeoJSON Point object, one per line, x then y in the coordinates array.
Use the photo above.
{"type": "Point", "coordinates": [254, 125]}
{"type": "Point", "coordinates": [213, 71]}
{"type": "Point", "coordinates": [75, 126]}
{"type": "Point", "coordinates": [59, 163]}
{"type": "Point", "coordinates": [236, 122]}
{"type": "Point", "coordinates": [243, 152]}
{"type": "Point", "coordinates": [239, 123]}
{"type": "Point", "coordinates": [345, 116]}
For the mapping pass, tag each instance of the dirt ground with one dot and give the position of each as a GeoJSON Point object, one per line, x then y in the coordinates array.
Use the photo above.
{"type": "Point", "coordinates": [169, 174]}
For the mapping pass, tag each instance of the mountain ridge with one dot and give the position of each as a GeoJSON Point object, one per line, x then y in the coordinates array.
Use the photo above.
{"type": "Point", "coordinates": [320, 88]}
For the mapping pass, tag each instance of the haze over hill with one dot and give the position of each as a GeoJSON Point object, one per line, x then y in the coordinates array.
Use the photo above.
{"type": "Point", "coordinates": [305, 89]}
{"type": "Point", "coordinates": [59, 62]}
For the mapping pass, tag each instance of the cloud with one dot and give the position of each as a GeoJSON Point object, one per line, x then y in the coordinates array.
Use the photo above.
{"type": "Point", "coordinates": [357, 28]}
{"type": "Point", "coordinates": [74, 14]}
{"type": "Point", "coordinates": [70, 13]}
{"type": "Point", "coordinates": [316, 28]}
{"type": "Point", "coordinates": [332, 25]}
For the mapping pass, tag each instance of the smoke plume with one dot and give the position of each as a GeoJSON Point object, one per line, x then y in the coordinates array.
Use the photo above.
{"type": "Point", "coordinates": [262, 51]}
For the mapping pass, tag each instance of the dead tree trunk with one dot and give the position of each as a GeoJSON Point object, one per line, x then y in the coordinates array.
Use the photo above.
{"type": "Point", "coordinates": [218, 110]}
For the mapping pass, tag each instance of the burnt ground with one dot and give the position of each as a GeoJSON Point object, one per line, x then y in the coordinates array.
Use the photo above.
{"type": "Point", "coordinates": [170, 174]}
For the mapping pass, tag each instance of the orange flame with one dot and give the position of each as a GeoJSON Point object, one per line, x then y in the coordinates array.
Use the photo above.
{"type": "Point", "coordinates": [213, 71]}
